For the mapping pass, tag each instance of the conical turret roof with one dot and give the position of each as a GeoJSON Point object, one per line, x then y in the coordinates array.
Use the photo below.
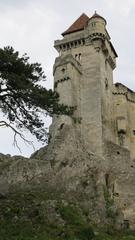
{"type": "Point", "coordinates": [96, 15]}
{"type": "Point", "coordinates": [78, 25]}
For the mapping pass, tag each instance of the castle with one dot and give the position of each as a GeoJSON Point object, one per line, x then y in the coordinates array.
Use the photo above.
{"type": "Point", "coordinates": [103, 123]}
{"type": "Point", "coordinates": [90, 158]}
{"type": "Point", "coordinates": [83, 76]}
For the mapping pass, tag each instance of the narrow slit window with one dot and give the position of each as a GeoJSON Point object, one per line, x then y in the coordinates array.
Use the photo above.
{"type": "Point", "coordinates": [76, 56]}
{"type": "Point", "coordinates": [80, 56]}
{"type": "Point", "coordinates": [106, 83]}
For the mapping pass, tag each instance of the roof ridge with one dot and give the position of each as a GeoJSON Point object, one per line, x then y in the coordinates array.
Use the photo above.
{"type": "Point", "coordinates": [78, 25]}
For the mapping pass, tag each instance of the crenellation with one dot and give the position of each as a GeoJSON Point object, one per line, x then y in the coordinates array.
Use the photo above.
{"type": "Point", "coordinates": [90, 157]}
{"type": "Point", "coordinates": [106, 111]}
{"type": "Point", "coordinates": [104, 106]}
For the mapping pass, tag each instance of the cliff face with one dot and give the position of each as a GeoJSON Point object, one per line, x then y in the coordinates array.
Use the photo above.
{"type": "Point", "coordinates": [67, 170]}
{"type": "Point", "coordinates": [64, 172]}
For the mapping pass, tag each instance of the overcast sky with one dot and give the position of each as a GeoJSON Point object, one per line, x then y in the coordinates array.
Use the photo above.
{"type": "Point", "coordinates": [31, 26]}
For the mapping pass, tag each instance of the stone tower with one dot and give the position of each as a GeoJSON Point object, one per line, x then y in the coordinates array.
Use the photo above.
{"type": "Point", "coordinates": [95, 148]}
{"type": "Point", "coordinates": [83, 77]}
{"type": "Point", "coordinates": [90, 159]}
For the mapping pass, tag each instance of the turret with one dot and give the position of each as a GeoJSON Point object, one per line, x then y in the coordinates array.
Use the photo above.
{"type": "Point", "coordinates": [97, 27]}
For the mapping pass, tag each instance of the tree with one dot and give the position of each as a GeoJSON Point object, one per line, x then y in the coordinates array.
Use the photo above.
{"type": "Point", "coordinates": [22, 99]}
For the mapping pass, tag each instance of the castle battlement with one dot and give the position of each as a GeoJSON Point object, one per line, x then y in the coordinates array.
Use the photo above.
{"type": "Point", "coordinates": [83, 77]}
{"type": "Point", "coordinates": [90, 158]}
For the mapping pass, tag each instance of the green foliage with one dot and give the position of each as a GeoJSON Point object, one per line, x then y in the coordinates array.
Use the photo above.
{"type": "Point", "coordinates": [22, 99]}
{"type": "Point", "coordinates": [109, 203]}
{"type": "Point", "coordinates": [78, 227]}
{"type": "Point", "coordinates": [114, 236]}
{"type": "Point", "coordinates": [25, 216]}
{"type": "Point", "coordinates": [71, 215]}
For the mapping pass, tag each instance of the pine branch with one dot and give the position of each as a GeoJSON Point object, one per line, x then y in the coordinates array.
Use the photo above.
{"type": "Point", "coordinates": [16, 133]}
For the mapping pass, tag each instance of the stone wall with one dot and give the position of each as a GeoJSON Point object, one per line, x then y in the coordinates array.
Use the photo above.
{"type": "Point", "coordinates": [124, 115]}
{"type": "Point", "coordinates": [120, 180]}
{"type": "Point", "coordinates": [90, 157]}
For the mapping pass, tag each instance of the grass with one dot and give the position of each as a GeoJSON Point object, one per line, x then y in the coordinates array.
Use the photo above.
{"type": "Point", "coordinates": [37, 215]}
{"type": "Point", "coordinates": [77, 226]}
{"type": "Point", "coordinates": [44, 216]}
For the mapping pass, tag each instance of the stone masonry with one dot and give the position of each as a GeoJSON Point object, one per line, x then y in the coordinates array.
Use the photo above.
{"type": "Point", "coordinates": [90, 158]}
{"type": "Point", "coordinates": [104, 120]}
{"type": "Point", "coordinates": [83, 76]}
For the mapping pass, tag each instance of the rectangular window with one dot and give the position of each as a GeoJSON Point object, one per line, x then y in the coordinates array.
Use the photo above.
{"type": "Point", "coordinates": [93, 24]}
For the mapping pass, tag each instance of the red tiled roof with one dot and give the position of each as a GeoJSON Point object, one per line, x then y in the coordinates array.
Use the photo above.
{"type": "Point", "coordinates": [78, 25]}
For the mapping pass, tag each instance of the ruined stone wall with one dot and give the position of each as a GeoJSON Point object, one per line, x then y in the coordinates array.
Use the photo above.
{"type": "Point", "coordinates": [120, 180]}
{"type": "Point", "coordinates": [124, 116]}
{"type": "Point", "coordinates": [131, 117]}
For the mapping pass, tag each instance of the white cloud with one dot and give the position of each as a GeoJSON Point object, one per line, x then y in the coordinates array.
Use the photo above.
{"type": "Point", "coordinates": [122, 6]}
